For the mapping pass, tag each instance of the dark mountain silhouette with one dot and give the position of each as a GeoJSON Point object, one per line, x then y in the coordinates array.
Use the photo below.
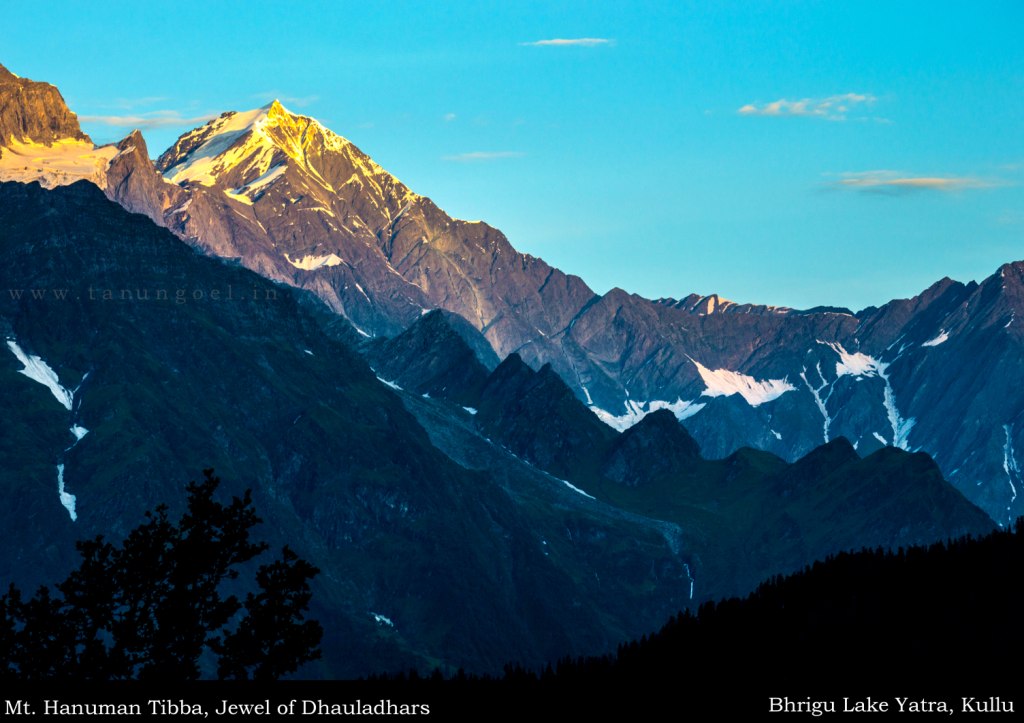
{"type": "Point", "coordinates": [172, 357]}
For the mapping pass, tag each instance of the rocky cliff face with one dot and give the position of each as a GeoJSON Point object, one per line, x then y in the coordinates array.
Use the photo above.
{"type": "Point", "coordinates": [34, 112]}
{"type": "Point", "coordinates": [134, 183]}
{"type": "Point", "coordinates": [305, 206]}
{"type": "Point", "coordinates": [295, 202]}
{"type": "Point", "coordinates": [302, 205]}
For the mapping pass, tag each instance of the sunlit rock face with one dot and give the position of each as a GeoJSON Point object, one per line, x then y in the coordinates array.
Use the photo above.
{"type": "Point", "coordinates": [302, 205]}
{"type": "Point", "coordinates": [286, 197]}
{"type": "Point", "coordinates": [40, 139]}
{"type": "Point", "coordinates": [32, 112]}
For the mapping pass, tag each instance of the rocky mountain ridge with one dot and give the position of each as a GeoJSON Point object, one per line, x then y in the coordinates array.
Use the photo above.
{"type": "Point", "coordinates": [738, 516]}
{"type": "Point", "coordinates": [519, 528]}
{"type": "Point", "coordinates": [298, 204]}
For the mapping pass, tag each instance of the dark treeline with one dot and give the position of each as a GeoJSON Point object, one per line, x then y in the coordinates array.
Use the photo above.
{"type": "Point", "coordinates": [938, 609]}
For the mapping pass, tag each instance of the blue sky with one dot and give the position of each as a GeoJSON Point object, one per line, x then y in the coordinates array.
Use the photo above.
{"type": "Point", "coordinates": [796, 153]}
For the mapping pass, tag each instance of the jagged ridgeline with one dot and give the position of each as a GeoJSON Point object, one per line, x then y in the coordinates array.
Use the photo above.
{"type": "Point", "coordinates": [739, 519]}
{"type": "Point", "coordinates": [438, 423]}
{"type": "Point", "coordinates": [292, 200]}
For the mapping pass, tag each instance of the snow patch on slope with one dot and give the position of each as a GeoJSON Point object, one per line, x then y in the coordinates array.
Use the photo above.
{"type": "Point", "coordinates": [635, 411]}
{"type": "Point", "coordinates": [574, 488]}
{"type": "Point", "coordinates": [900, 426]}
{"type": "Point", "coordinates": [38, 370]}
{"type": "Point", "coordinates": [248, 193]}
{"type": "Point", "coordinates": [725, 383]}
{"type": "Point", "coordinates": [858, 364]}
{"type": "Point", "coordinates": [66, 498]}
{"type": "Point", "coordinates": [60, 164]}
{"type": "Point", "coordinates": [854, 364]}
{"type": "Point", "coordinates": [942, 337]}
{"type": "Point", "coordinates": [818, 399]}
{"type": "Point", "coordinates": [311, 263]}
{"type": "Point", "coordinates": [1011, 468]}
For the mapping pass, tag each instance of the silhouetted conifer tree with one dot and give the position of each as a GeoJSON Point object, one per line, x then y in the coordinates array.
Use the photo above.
{"type": "Point", "coordinates": [150, 607]}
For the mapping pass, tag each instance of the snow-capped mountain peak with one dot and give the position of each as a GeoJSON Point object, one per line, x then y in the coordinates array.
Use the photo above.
{"type": "Point", "coordinates": [211, 151]}
{"type": "Point", "coordinates": [243, 152]}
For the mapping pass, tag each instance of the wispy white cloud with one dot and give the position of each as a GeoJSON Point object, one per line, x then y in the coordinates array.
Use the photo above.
{"type": "Point", "coordinates": [834, 107]}
{"type": "Point", "coordinates": [473, 156]}
{"type": "Point", "coordinates": [155, 119]}
{"type": "Point", "coordinates": [896, 182]}
{"type": "Point", "coordinates": [449, 117]}
{"type": "Point", "coordinates": [561, 42]}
